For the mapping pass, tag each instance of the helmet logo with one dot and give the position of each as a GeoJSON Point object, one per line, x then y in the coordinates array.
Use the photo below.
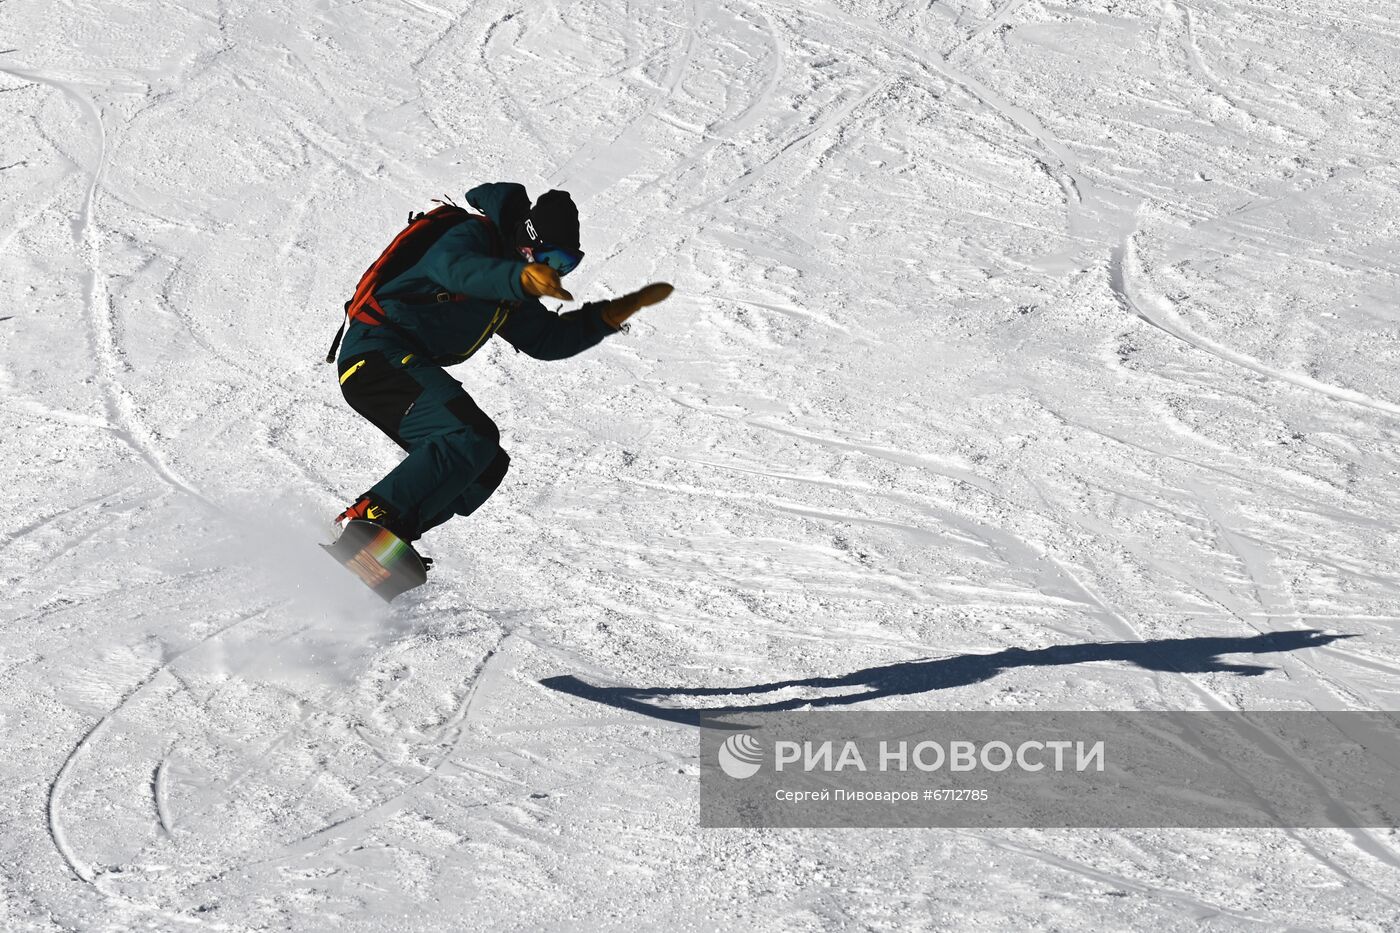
{"type": "Point", "coordinates": [530, 229]}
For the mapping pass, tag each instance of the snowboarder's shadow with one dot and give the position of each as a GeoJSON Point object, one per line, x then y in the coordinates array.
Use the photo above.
{"type": "Point", "coordinates": [906, 678]}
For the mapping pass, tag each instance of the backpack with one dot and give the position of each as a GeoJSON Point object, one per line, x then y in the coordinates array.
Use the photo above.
{"type": "Point", "coordinates": [413, 241]}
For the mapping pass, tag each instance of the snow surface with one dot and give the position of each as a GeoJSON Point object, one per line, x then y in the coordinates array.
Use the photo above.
{"type": "Point", "coordinates": [998, 325]}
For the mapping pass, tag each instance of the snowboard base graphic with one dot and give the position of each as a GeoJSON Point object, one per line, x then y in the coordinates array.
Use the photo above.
{"type": "Point", "coordinates": [385, 563]}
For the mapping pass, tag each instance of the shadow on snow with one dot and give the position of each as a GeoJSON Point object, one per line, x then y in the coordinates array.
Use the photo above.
{"type": "Point", "coordinates": [907, 678]}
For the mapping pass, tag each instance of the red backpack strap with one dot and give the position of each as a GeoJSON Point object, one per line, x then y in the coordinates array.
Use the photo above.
{"type": "Point", "coordinates": [407, 248]}
{"type": "Point", "coordinates": [422, 231]}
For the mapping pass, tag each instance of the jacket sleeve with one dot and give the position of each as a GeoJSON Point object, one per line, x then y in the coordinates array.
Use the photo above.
{"type": "Point", "coordinates": [538, 332]}
{"type": "Point", "coordinates": [462, 263]}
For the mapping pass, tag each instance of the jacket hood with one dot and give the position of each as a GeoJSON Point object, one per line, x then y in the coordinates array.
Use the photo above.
{"type": "Point", "coordinates": [505, 204]}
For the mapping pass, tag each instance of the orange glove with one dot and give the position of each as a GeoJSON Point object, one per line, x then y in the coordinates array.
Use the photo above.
{"type": "Point", "coordinates": [541, 281]}
{"type": "Point", "coordinates": [618, 310]}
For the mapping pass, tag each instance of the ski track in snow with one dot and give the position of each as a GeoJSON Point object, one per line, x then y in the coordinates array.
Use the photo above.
{"type": "Point", "coordinates": [121, 406]}
{"type": "Point", "coordinates": [998, 325]}
{"type": "Point", "coordinates": [1157, 311]}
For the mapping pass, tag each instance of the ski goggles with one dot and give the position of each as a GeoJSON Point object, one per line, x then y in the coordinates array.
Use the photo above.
{"type": "Point", "coordinates": [559, 258]}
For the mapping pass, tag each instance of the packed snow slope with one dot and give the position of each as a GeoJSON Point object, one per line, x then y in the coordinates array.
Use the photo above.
{"type": "Point", "coordinates": [1009, 325]}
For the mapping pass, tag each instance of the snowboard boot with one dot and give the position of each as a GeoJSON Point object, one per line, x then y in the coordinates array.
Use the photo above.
{"type": "Point", "coordinates": [365, 509]}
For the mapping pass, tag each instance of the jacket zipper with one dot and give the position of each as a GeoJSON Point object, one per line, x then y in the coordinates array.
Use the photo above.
{"type": "Point", "coordinates": [497, 319]}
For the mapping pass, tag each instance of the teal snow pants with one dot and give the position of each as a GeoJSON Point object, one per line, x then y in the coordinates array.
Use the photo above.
{"type": "Point", "coordinates": [454, 461]}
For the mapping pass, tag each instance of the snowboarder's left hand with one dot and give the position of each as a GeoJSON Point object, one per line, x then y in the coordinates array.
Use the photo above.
{"type": "Point", "coordinates": [540, 281]}
{"type": "Point", "coordinates": [618, 310]}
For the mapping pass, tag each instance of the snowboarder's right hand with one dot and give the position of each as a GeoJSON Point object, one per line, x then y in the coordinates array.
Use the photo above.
{"type": "Point", "coordinates": [541, 281]}
{"type": "Point", "coordinates": [616, 312]}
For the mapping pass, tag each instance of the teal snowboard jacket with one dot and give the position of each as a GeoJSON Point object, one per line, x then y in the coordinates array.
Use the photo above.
{"type": "Point", "coordinates": [473, 263]}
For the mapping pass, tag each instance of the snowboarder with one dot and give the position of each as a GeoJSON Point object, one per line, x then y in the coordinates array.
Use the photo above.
{"type": "Point", "coordinates": [449, 282]}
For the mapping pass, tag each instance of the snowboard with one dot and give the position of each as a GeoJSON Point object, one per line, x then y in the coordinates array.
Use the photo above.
{"type": "Point", "coordinates": [385, 563]}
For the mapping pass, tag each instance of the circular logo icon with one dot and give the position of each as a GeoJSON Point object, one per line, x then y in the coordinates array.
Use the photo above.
{"type": "Point", "coordinates": [740, 756]}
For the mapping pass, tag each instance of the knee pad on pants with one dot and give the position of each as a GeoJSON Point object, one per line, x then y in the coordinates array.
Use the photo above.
{"type": "Point", "coordinates": [470, 414]}
{"type": "Point", "coordinates": [495, 471]}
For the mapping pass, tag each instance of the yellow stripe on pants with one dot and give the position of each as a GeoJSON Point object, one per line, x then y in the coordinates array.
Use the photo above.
{"type": "Point", "coordinates": [351, 371]}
